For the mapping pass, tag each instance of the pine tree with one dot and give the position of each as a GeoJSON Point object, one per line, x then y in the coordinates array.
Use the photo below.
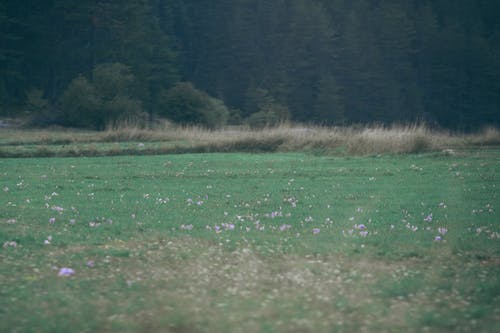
{"type": "Point", "coordinates": [12, 55]}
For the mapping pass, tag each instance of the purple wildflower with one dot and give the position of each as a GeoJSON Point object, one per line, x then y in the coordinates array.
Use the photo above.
{"type": "Point", "coordinates": [90, 263]}
{"type": "Point", "coordinates": [442, 231]}
{"type": "Point", "coordinates": [10, 243]}
{"type": "Point", "coordinates": [284, 227]}
{"type": "Point", "coordinates": [438, 238]}
{"type": "Point", "coordinates": [57, 208]}
{"type": "Point", "coordinates": [316, 231]}
{"type": "Point", "coordinates": [363, 233]}
{"type": "Point", "coordinates": [65, 271]}
{"type": "Point", "coordinates": [274, 214]}
{"type": "Point", "coordinates": [360, 226]}
{"type": "Point", "coordinates": [228, 226]}
{"type": "Point", "coordinates": [52, 220]}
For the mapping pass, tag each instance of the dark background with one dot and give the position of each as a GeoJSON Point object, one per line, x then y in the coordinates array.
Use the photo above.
{"type": "Point", "coordinates": [331, 62]}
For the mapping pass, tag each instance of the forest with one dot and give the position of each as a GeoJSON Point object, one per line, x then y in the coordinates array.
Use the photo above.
{"type": "Point", "coordinates": [211, 63]}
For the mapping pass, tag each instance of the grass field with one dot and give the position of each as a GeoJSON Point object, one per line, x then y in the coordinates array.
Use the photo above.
{"type": "Point", "coordinates": [284, 242]}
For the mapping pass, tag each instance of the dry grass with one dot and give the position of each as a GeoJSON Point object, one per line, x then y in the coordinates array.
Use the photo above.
{"type": "Point", "coordinates": [328, 140]}
{"type": "Point", "coordinates": [489, 136]}
{"type": "Point", "coordinates": [397, 139]}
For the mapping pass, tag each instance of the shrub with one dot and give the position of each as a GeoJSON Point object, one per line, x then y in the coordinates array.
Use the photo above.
{"type": "Point", "coordinates": [261, 119]}
{"type": "Point", "coordinates": [112, 79]}
{"type": "Point", "coordinates": [38, 108]}
{"type": "Point", "coordinates": [121, 107]}
{"type": "Point", "coordinates": [107, 98]}
{"type": "Point", "coordinates": [80, 105]}
{"type": "Point", "coordinates": [269, 111]}
{"type": "Point", "coordinates": [186, 105]}
{"type": "Point", "coordinates": [216, 114]}
{"type": "Point", "coordinates": [270, 116]}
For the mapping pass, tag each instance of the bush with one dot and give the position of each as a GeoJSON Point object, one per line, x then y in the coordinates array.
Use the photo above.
{"type": "Point", "coordinates": [38, 109]}
{"type": "Point", "coordinates": [121, 107]}
{"type": "Point", "coordinates": [107, 98]}
{"type": "Point", "coordinates": [112, 80]}
{"type": "Point", "coordinates": [80, 105]}
{"type": "Point", "coordinates": [271, 115]}
{"type": "Point", "coordinates": [216, 114]}
{"type": "Point", "coordinates": [186, 105]}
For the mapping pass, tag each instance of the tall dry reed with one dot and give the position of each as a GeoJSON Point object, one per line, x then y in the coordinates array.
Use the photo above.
{"type": "Point", "coordinates": [329, 140]}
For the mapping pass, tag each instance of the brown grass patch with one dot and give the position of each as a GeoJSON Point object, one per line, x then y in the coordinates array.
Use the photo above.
{"type": "Point", "coordinates": [369, 140]}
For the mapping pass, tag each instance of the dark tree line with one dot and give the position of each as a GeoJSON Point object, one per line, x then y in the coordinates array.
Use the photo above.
{"type": "Point", "coordinates": [85, 63]}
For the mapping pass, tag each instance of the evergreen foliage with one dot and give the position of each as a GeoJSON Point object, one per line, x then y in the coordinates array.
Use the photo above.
{"type": "Point", "coordinates": [321, 61]}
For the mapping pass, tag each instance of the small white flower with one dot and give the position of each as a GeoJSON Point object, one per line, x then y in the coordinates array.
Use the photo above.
{"type": "Point", "coordinates": [442, 231]}
{"type": "Point", "coordinates": [10, 244]}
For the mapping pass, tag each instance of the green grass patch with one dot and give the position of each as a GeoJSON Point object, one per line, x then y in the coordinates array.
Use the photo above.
{"type": "Point", "coordinates": [286, 242]}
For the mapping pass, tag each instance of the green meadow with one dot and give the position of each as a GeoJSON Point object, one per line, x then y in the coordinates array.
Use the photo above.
{"type": "Point", "coordinates": [233, 242]}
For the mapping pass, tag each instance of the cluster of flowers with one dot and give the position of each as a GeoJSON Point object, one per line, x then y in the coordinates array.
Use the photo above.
{"type": "Point", "coordinates": [198, 202]}
{"type": "Point", "coordinates": [10, 244]}
{"type": "Point", "coordinates": [361, 228]}
{"type": "Point", "coordinates": [442, 232]}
